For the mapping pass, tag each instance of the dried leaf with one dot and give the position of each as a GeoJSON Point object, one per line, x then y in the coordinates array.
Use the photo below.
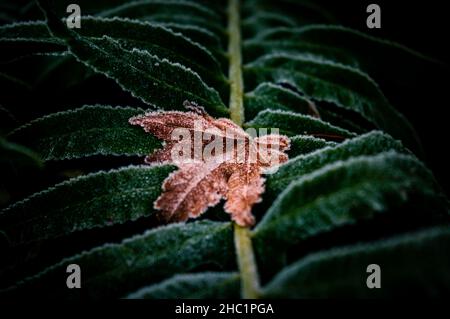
{"type": "Point", "coordinates": [217, 160]}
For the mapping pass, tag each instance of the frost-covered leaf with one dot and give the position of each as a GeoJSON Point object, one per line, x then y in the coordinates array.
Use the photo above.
{"type": "Point", "coordinates": [278, 13]}
{"type": "Point", "coordinates": [412, 265]}
{"type": "Point", "coordinates": [113, 270]}
{"type": "Point", "coordinates": [87, 131]}
{"type": "Point", "coordinates": [290, 123]}
{"type": "Point", "coordinates": [269, 96]}
{"type": "Point", "coordinates": [255, 48]}
{"type": "Point", "coordinates": [348, 192]}
{"type": "Point", "coordinates": [376, 56]}
{"type": "Point", "coordinates": [198, 35]}
{"type": "Point", "coordinates": [184, 12]}
{"type": "Point", "coordinates": [156, 40]}
{"type": "Point", "coordinates": [135, 9]}
{"type": "Point", "coordinates": [98, 6]}
{"type": "Point", "coordinates": [262, 20]}
{"type": "Point", "coordinates": [36, 31]}
{"type": "Point", "coordinates": [303, 144]}
{"type": "Point", "coordinates": [368, 144]}
{"type": "Point", "coordinates": [95, 200]}
{"type": "Point", "coordinates": [154, 80]}
{"type": "Point", "coordinates": [341, 85]}
{"type": "Point", "coordinates": [192, 286]}
{"type": "Point", "coordinates": [217, 168]}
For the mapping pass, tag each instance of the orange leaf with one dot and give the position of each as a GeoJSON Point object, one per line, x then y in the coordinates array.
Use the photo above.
{"type": "Point", "coordinates": [217, 160]}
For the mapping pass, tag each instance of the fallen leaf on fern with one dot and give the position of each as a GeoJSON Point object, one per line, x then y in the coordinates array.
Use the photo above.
{"type": "Point", "coordinates": [217, 160]}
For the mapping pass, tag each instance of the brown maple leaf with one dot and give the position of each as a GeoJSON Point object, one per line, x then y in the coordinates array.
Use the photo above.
{"type": "Point", "coordinates": [217, 160]}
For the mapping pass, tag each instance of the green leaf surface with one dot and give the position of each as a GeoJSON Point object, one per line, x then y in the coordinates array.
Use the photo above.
{"type": "Point", "coordinates": [87, 131]}
{"type": "Point", "coordinates": [311, 11]}
{"type": "Point", "coordinates": [196, 34]}
{"type": "Point", "coordinates": [412, 265]}
{"type": "Point", "coordinates": [193, 286]}
{"type": "Point", "coordinates": [256, 48]}
{"type": "Point", "coordinates": [135, 9]}
{"type": "Point", "coordinates": [368, 144]}
{"type": "Point", "coordinates": [290, 124]}
{"type": "Point", "coordinates": [376, 56]}
{"type": "Point", "coordinates": [154, 80]}
{"type": "Point", "coordinates": [156, 40]}
{"type": "Point", "coordinates": [97, 6]}
{"type": "Point", "coordinates": [113, 270]}
{"type": "Point", "coordinates": [263, 20]}
{"type": "Point", "coordinates": [341, 85]}
{"type": "Point", "coordinates": [94, 200]}
{"type": "Point", "coordinates": [304, 144]}
{"type": "Point", "coordinates": [269, 96]}
{"type": "Point", "coordinates": [348, 192]}
{"type": "Point", "coordinates": [36, 31]}
{"type": "Point", "coordinates": [184, 12]}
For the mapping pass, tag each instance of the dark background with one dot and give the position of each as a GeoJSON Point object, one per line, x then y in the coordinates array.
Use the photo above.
{"type": "Point", "coordinates": [423, 26]}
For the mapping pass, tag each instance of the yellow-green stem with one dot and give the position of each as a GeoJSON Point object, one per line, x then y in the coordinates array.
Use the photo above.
{"type": "Point", "coordinates": [235, 71]}
{"type": "Point", "coordinates": [246, 261]}
{"type": "Point", "coordinates": [242, 239]}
